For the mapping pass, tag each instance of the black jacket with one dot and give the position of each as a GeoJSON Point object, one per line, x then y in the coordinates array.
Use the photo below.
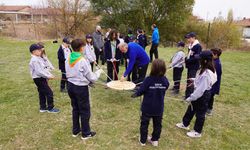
{"type": "Point", "coordinates": [142, 40]}
{"type": "Point", "coordinates": [193, 61]}
{"type": "Point", "coordinates": [61, 58]}
{"type": "Point", "coordinates": [108, 50]}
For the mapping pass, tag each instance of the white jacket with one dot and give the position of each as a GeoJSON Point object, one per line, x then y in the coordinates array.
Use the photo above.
{"type": "Point", "coordinates": [80, 74]}
{"type": "Point", "coordinates": [89, 53]}
{"type": "Point", "coordinates": [202, 83]}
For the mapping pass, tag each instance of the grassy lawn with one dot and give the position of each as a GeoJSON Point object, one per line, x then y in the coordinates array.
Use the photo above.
{"type": "Point", "coordinates": [115, 116]}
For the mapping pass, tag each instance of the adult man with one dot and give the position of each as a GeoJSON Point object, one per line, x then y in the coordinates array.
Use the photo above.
{"type": "Point", "coordinates": [137, 57]}
{"type": "Point", "coordinates": [155, 42]}
{"type": "Point", "coordinates": [98, 44]}
{"type": "Point", "coordinates": [192, 62]}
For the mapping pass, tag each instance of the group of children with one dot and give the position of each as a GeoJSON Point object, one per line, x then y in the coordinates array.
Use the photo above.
{"type": "Point", "coordinates": [78, 74]}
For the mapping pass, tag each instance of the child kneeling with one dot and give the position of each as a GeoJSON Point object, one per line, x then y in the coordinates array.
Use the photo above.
{"type": "Point", "coordinates": [79, 76]}
{"type": "Point", "coordinates": [153, 90]}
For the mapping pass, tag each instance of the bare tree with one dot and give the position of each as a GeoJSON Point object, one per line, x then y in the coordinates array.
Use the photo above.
{"type": "Point", "coordinates": [73, 16]}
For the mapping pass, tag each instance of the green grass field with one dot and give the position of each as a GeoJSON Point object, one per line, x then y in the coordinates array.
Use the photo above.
{"type": "Point", "coordinates": [115, 116]}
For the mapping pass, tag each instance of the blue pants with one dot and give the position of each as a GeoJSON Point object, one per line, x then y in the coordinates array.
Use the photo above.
{"type": "Point", "coordinates": [79, 96]}
{"type": "Point", "coordinates": [199, 110]}
{"type": "Point", "coordinates": [45, 93]}
{"type": "Point", "coordinates": [157, 125]}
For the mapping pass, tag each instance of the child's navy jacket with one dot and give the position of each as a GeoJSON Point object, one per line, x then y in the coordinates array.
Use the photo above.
{"type": "Point", "coordinates": [216, 86]}
{"type": "Point", "coordinates": [153, 90]}
{"type": "Point", "coordinates": [193, 61]}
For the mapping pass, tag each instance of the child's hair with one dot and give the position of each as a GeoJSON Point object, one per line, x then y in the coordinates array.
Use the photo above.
{"type": "Point", "coordinates": [88, 36]}
{"type": "Point", "coordinates": [140, 31]}
{"type": "Point", "coordinates": [206, 61]}
{"type": "Point", "coordinates": [111, 34]}
{"type": "Point", "coordinates": [41, 44]}
{"type": "Point", "coordinates": [158, 68]}
{"type": "Point", "coordinates": [76, 44]}
{"type": "Point", "coordinates": [216, 51]}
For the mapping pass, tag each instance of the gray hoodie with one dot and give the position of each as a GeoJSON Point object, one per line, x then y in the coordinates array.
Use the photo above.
{"type": "Point", "coordinates": [80, 74]}
{"type": "Point", "coordinates": [202, 83]}
{"type": "Point", "coordinates": [38, 69]}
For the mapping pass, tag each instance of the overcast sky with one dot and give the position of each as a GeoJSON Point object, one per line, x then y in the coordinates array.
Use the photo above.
{"type": "Point", "coordinates": [206, 9]}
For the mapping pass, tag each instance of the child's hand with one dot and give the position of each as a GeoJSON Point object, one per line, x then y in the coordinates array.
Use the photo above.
{"type": "Point", "coordinates": [134, 95]}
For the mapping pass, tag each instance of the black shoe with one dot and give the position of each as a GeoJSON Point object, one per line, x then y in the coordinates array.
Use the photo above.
{"type": "Point", "coordinates": [63, 90]}
{"type": "Point", "coordinates": [92, 134]}
{"type": "Point", "coordinates": [175, 92]}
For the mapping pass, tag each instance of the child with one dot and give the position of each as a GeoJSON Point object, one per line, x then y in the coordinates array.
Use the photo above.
{"type": "Point", "coordinates": [79, 76]}
{"type": "Point", "coordinates": [44, 57]}
{"type": "Point", "coordinates": [112, 55]}
{"type": "Point", "coordinates": [63, 53]}
{"type": "Point", "coordinates": [40, 76]}
{"type": "Point", "coordinates": [216, 87]}
{"type": "Point", "coordinates": [153, 90]}
{"type": "Point", "coordinates": [200, 97]}
{"type": "Point", "coordinates": [89, 51]}
{"type": "Point", "coordinates": [191, 61]}
{"type": "Point", "coordinates": [141, 38]}
{"type": "Point", "coordinates": [177, 65]}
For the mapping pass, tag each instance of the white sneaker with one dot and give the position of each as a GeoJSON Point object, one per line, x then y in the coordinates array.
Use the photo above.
{"type": "Point", "coordinates": [76, 135]}
{"type": "Point", "coordinates": [142, 144]}
{"type": "Point", "coordinates": [193, 134]}
{"type": "Point", "coordinates": [181, 125]}
{"type": "Point", "coordinates": [43, 110]}
{"type": "Point", "coordinates": [154, 143]}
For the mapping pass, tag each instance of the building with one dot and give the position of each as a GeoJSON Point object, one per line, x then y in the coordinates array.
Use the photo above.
{"type": "Point", "coordinates": [245, 24]}
{"type": "Point", "coordinates": [27, 14]}
{"type": "Point", "coordinates": [14, 13]}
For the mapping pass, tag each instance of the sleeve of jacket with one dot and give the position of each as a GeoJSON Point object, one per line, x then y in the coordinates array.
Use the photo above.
{"type": "Point", "coordinates": [154, 37]}
{"type": "Point", "coordinates": [107, 50]}
{"type": "Point", "coordinates": [143, 88]}
{"type": "Point", "coordinates": [90, 76]}
{"type": "Point", "coordinates": [132, 59]}
{"type": "Point", "coordinates": [200, 89]}
{"type": "Point", "coordinates": [197, 50]}
{"type": "Point", "coordinates": [61, 59]}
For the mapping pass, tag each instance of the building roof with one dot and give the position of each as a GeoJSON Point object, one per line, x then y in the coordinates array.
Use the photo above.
{"type": "Point", "coordinates": [14, 8]}
{"type": "Point", "coordinates": [45, 11]}
{"type": "Point", "coordinates": [245, 22]}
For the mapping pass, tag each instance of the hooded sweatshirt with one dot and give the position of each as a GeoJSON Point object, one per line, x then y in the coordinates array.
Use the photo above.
{"type": "Point", "coordinates": [202, 83]}
{"type": "Point", "coordinates": [79, 70]}
{"type": "Point", "coordinates": [155, 36]}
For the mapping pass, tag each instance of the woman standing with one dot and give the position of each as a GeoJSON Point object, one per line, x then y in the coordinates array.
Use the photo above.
{"type": "Point", "coordinates": [112, 55]}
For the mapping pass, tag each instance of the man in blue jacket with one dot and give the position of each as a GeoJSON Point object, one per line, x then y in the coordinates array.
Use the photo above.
{"type": "Point", "coordinates": [137, 57]}
{"type": "Point", "coordinates": [155, 42]}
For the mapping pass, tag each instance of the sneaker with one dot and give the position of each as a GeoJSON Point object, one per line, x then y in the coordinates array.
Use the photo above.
{"type": "Point", "coordinates": [193, 134]}
{"type": "Point", "coordinates": [181, 125]}
{"type": "Point", "coordinates": [175, 92]}
{"type": "Point", "coordinates": [209, 112]}
{"type": "Point", "coordinates": [54, 110]}
{"type": "Point", "coordinates": [142, 144]}
{"type": "Point", "coordinates": [92, 134]}
{"type": "Point", "coordinates": [153, 143]}
{"type": "Point", "coordinates": [76, 135]}
{"type": "Point", "coordinates": [43, 110]}
{"type": "Point", "coordinates": [63, 90]}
